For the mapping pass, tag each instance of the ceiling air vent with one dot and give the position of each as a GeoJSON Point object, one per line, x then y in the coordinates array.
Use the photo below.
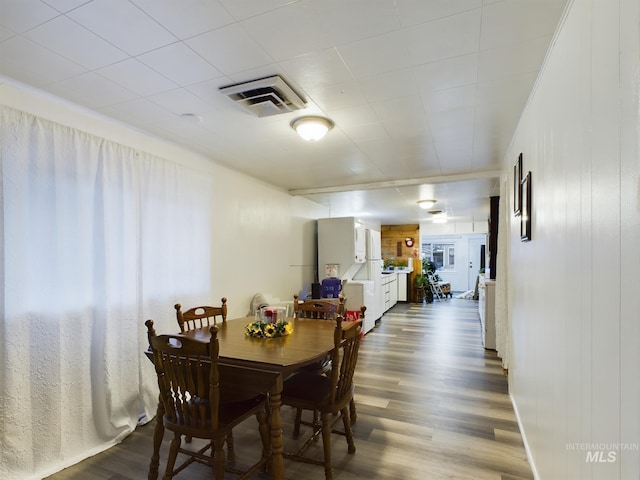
{"type": "Point", "coordinates": [265, 97]}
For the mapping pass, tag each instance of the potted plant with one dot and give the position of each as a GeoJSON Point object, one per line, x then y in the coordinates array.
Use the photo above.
{"type": "Point", "coordinates": [423, 290]}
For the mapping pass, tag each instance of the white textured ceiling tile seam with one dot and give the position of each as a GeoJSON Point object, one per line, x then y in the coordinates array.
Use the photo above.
{"type": "Point", "coordinates": [150, 17]}
{"type": "Point", "coordinates": [430, 134]}
{"type": "Point", "coordinates": [52, 52]}
{"type": "Point", "coordinates": [26, 28]}
{"type": "Point", "coordinates": [62, 12]}
{"type": "Point", "coordinates": [443, 17]}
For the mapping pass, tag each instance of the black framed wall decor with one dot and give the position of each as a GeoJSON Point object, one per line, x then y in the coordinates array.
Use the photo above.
{"type": "Point", "coordinates": [525, 210]}
{"type": "Point", "coordinates": [517, 186]}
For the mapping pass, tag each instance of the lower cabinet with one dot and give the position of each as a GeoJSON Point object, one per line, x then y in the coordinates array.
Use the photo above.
{"type": "Point", "coordinates": [402, 287]}
{"type": "Point", "coordinates": [389, 290]}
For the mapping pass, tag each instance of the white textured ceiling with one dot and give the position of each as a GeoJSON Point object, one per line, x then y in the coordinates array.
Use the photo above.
{"type": "Point", "coordinates": [425, 94]}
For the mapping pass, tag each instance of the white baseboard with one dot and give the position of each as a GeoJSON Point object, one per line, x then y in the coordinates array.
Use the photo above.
{"type": "Point", "coordinates": [534, 470]}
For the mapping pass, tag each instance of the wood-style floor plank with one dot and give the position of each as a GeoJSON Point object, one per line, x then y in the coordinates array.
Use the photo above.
{"type": "Point", "coordinates": [432, 404]}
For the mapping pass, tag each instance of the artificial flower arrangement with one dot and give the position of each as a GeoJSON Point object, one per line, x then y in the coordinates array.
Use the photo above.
{"type": "Point", "coordinates": [268, 324]}
{"type": "Point", "coordinates": [260, 329]}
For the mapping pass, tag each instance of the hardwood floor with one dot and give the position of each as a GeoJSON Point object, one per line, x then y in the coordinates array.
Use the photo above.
{"type": "Point", "coordinates": [432, 404]}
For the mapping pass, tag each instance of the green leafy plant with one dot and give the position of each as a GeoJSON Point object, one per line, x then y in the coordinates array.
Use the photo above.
{"type": "Point", "coordinates": [423, 289]}
{"type": "Point", "coordinates": [425, 265]}
{"type": "Point", "coordinates": [421, 280]}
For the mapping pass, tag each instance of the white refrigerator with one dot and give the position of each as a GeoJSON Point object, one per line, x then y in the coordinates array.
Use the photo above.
{"type": "Point", "coordinates": [366, 286]}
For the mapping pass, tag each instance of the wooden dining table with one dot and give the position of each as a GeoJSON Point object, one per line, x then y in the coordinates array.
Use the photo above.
{"type": "Point", "coordinates": [260, 365]}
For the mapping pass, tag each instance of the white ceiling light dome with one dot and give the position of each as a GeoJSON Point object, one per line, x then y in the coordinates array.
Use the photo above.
{"type": "Point", "coordinates": [426, 204]}
{"type": "Point", "coordinates": [312, 128]}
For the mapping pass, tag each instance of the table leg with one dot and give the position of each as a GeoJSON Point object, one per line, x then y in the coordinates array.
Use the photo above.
{"type": "Point", "coordinates": [158, 433]}
{"type": "Point", "coordinates": [277, 448]}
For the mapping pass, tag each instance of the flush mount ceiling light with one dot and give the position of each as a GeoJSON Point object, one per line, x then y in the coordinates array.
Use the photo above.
{"type": "Point", "coordinates": [312, 129]}
{"type": "Point", "coordinates": [426, 204]}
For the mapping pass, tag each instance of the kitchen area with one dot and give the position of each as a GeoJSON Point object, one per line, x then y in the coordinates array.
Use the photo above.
{"type": "Point", "coordinates": [369, 266]}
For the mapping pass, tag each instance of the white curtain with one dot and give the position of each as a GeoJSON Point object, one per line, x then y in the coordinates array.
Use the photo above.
{"type": "Point", "coordinates": [96, 238]}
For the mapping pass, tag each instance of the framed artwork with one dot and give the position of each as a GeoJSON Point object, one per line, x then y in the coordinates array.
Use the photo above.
{"type": "Point", "coordinates": [525, 212]}
{"type": "Point", "coordinates": [517, 186]}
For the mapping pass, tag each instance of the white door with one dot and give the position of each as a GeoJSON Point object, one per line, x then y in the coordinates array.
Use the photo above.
{"type": "Point", "coordinates": [475, 248]}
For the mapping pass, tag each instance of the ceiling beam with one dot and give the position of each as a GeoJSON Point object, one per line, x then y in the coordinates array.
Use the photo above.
{"type": "Point", "coordinates": [458, 177]}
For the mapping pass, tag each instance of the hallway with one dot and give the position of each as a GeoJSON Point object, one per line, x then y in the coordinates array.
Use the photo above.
{"type": "Point", "coordinates": [432, 404]}
{"type": "Point", "coordinates": [433, 401]}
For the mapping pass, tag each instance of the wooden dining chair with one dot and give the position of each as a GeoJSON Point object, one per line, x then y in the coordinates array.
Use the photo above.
{"type": "Point", "coordinates": [199, 317]}
{"type": "Point", "coordinates": [190, 391]}
{"type": "Point", "coordinates": [328, 394]}
{"type": "Point", "coordinates": [202, 316]}
{"type": "Point", "coordinates": [318, 309]}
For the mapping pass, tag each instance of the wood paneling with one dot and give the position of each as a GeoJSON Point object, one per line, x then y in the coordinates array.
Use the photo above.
{"type": "Point", "coordinates": [394, 235]}
{"type": "Point", "coordinates": [432, 403]}
{"type": "Point", "coordinates": [393, 240]}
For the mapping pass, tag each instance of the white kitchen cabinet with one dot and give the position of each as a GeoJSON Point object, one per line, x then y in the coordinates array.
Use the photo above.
{"type": "Point", "coordinates": [393, 290]}
{"type": "Point", "coordinates": [402, 286]}
{"type": "Point", "coordinates": [390, 290]}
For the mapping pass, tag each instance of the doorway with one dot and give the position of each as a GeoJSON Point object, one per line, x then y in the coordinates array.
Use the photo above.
{"type": "Point", "coordinates": [476, 260]}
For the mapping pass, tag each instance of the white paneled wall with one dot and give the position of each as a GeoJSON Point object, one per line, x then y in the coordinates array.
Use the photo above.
{"type": "Point", "coordinates": [573, 290]}
{"type": "Point", "coordinates": [264, 239]}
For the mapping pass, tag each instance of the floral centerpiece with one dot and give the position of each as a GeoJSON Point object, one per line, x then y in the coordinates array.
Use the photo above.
{"type": "Point", "coordinates": [260, 329]}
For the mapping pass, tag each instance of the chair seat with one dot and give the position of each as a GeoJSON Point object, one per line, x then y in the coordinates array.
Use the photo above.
{"type": "Point", "coordinates": [312, 391]}
{"type": "Point", "coordinates": [229, 415]}
{"type": "Point", "coordinates": [307, 385]}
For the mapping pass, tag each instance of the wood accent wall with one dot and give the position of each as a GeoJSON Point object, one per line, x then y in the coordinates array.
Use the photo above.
{"type": "Point", "coordinates": [393, 237]}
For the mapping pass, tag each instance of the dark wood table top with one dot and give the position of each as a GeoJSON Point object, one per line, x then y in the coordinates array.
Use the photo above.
{"type": "Point", "coordinates": [310, 341]}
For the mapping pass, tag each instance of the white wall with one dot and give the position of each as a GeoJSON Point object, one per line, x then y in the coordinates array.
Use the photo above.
{"type": "Point", "coordinates": [573, 290]}
{"type": "Point", "coordinates": [459, 277]}
{"type": "Point", "coordinates": [264, 242]}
